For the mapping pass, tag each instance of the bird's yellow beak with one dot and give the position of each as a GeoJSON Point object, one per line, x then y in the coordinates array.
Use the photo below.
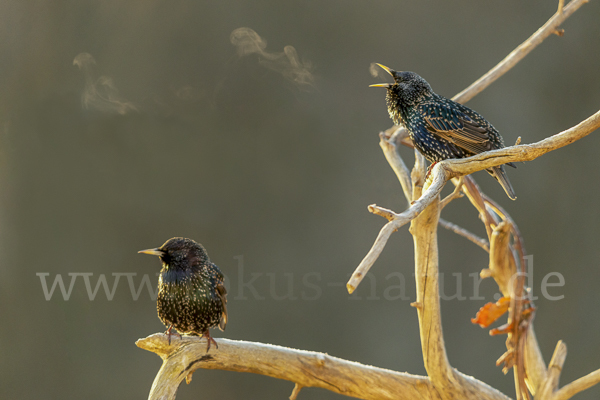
{"type": "Point", "coordinates": [384, 85]}
{"type": "Point", "coordinates": [386, 69]}
{"type": "Point", "coordinates": [154, 252]}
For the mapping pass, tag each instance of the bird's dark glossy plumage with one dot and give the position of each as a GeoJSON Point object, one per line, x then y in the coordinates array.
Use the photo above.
{"type": "Point", "coordinates": [191, 294]}
{"type": "Point", "coordinates": [441, 128]}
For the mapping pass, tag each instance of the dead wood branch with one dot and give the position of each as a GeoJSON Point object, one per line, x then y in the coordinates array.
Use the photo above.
{"type": "Point", "coordinates": [465, 233]}
{"type": "Point", "coordinates": [452, 168]}
{"type": "Point", "coordinates": [305, 368]}
{"type": "Point", "coordinates": [521, 51]}
{"type": "Point", "coordinates": [447, 381]}
{"type": "Point", "coordinates": [549, 388]}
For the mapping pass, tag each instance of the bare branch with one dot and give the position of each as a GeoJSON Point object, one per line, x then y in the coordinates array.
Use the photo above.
{"type": "Point", "coordinates": [585, 382]}
{"type": "Point", "coordinates": [520, 153]}
{"type": "Point", "coordinates": [424, 231]}
{"type": "Point", "coordinates": [399, 220]}
{"type": "Point", "coordinates": [502, 264]}
{"type": "Point", "coordinates": [389, 141]}
{"type": "Point", "coordinates": [475, 196]}
{"type": "Point", "coordinates": [447, 381]}
{"type": "Point", "coordinates": [481, 242]}
{"type": "Point", "coordinates": [295, 392]}
{"type": "Point", "coordinates": [382, 212]}
{"type": "Point", "coordinates": [305, 368]}
{"type": "Point", "coordinates": [456, 194]}
{"type": "Point", "coordinates": [549, 28]}
{"type": "Point", "coordinates": [549, 388]}
{"type": "Point", "coordinates": [536, 368]}
{"type": "Point", "coordinates": [520, 52]}
{"type": "Point", "coordinates": [550, 383]}
{"type": "Point", "coordinates": [444, 170]}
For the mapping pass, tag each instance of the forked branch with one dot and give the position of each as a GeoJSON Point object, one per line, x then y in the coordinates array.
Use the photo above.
{"type": "Point", "coordinates": [448, 169]}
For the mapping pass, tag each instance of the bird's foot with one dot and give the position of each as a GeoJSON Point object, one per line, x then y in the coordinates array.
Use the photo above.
{"type": "Point", "coordinates": [209, 340]}
{"type": "Point", "coordinates": [169, 333]}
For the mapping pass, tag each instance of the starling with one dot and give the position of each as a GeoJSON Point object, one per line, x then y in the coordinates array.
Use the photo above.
{"type": "Point", "coordinates": [191, 294]}
{"type": "Point", "coordinates": [439, 127]}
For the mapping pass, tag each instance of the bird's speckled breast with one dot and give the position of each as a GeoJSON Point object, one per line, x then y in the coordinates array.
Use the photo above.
{"type": "Point", "coordinates": [188, 301]}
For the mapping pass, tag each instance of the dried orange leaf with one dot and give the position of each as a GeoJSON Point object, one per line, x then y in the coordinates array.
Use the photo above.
{"type": "Point", "coordinates": [491, 312]}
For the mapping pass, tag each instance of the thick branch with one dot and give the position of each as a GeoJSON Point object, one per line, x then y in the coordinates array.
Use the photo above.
{"type": "Point", "coordinates": [448, 382]}
{"type": "Point", "coordinates": [305, 368]}
{"type": "Point", "coordinates": [523, 152]}
{"type": "Point", "coordinates": [424, 231]}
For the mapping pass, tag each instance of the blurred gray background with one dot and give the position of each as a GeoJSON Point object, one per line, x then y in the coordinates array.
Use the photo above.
{"type": "Point", "coordinates": [165, 128]}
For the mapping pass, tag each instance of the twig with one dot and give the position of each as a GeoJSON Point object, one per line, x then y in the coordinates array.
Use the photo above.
{"type": "Point", "coordinates": [456, 194]}
{"type": "Point", "coordinates": [550, 384]}
{"type": "Point", "coordinates": [388, 141]}
{"type": "Point", "coordinates": [520, 52]}
{"type": "Point", "coordinates": [382, 212]}
{"type": "Point", "coordinates": [305, 368]}
{"type": "Point", "coordinates": [296, 391]}
{"type": "Point", "coordinates": [481, 242]}
{"type": "Point", "coordinates": [399, 220]}
{"type": "Point", "coordinates": [475, 196]}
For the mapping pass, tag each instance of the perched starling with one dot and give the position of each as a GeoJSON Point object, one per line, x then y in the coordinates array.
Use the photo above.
{"type": "Point", "coordinates": [439, 127]}
{"type": "Point", "coordinates": [191, 294]}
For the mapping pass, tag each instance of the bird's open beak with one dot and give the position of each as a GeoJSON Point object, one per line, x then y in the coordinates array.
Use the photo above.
{"type": "Point", "coordinates": [386, 69]}
{"type": "Point", "coordinates": [385, 85]}
{"type": "Point", "coordinates": [154, 252]}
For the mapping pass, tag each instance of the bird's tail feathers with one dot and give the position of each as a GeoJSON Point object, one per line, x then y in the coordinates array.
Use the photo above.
{"type": "Point", "coordinates": [500, 175]}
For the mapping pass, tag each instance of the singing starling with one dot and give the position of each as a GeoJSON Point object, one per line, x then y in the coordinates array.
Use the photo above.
{"type": "Point", "coordinates": [191, 294]}
{"type": "Point", "coordinates": [439, 127]}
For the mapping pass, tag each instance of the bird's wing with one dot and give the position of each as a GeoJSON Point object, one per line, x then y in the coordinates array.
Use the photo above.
{"type": "Point", "coordinates": [456, 127]}
{"type": "Point", "coordinates": [222, 293]}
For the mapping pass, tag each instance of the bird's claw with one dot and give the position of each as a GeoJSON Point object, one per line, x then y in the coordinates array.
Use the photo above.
{"type": "Point", "coordinates": [209, 340]}
{"type": "Point", "coordinates": [169, 333]}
